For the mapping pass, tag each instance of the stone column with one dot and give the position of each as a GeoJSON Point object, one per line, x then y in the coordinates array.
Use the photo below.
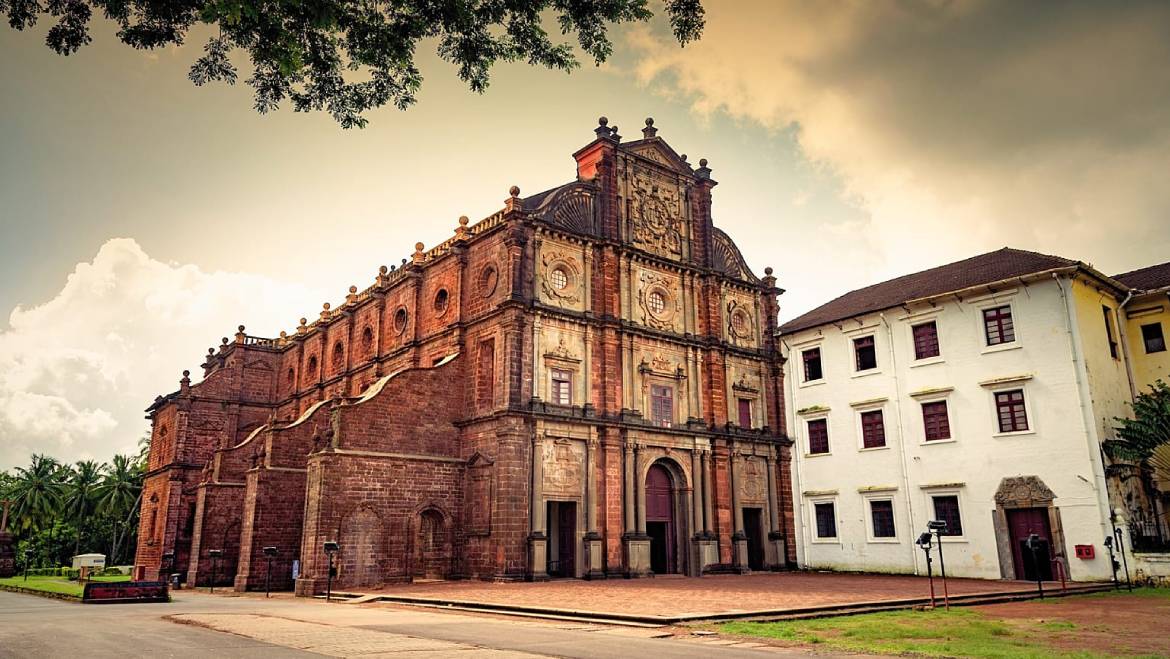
{"type": "Point", "coordinates": [636, 541]}
{"type": "Point", "coordinates": [628, 457]}
{"type": "Point", "coordinates": [697, 492]}
{"type": "Point", "coordinates": [640, 483]}
{"type": "Point", "coordinates": [594, 547]}
{"type": "Point", "coordinates": [537, 539]}
{"type": "Point", "coordinates": [776, 534]}
{"type": "Point", "coordinates": [739, 555]}
{"type": "Point", "coordinates": [708, 494]}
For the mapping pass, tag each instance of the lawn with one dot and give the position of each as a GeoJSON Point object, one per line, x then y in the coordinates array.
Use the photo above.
{"type": "Point", "coordinates": [1064, 627]}
{"type": "Point", "coordinates": [58, 585]}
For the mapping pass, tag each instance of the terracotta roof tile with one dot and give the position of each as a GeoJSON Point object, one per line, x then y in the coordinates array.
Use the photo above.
{"type": "Point", "coordinates": [1148, 278]}
{"type": "Point", "coordinates": [982, 269]}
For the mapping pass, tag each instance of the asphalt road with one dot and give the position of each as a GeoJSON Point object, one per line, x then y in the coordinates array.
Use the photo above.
{"type": "Point", "coordinates": [32, 626]}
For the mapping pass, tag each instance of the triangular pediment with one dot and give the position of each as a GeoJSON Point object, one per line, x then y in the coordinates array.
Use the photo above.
{"type": "Point", "coordinates": [656, 150]}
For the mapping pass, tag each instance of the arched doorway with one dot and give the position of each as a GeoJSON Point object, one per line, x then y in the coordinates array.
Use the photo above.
{"type": "Point", "coordinates": [432, 546]}
{"type": "Point", "coordinates": [661, 524]}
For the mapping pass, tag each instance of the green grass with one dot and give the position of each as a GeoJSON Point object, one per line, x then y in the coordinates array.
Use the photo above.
{"type": "Point", "coordinates": [960, 632]}
{"type": "Point", "coordinates": [58, 585]}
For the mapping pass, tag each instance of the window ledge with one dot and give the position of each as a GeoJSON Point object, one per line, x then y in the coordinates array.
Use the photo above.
{"type": "Point", "coordinates": [883, 541]}
{"type": "Point", "coordinates": [1017, 433]}
{"type": "Point", "coordinates": [932, 442]}
{"type": "Point", "coordinates": [817, 455]}
{"type": "Point", "coordinates": [953, 539]}
{"type": "Point", "coordinates": [874, 448]}
{"type": "Point", "coordinates": [810, 383]}
{"type": "Point", "coordinates": [826, 541]}
{"type": "Point", "coordinates": [866, 372]}
{"type": "Point", "coordinates": [1002, 347]}
{"type": "Point", "coordinates": [927, 362]}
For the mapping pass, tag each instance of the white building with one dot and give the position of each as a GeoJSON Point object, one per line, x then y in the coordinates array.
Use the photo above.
{"type": "Point", "coordinates": [977, 393]}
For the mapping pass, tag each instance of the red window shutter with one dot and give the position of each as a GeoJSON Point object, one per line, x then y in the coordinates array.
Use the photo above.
{"type": "Point", "coordinates": [873, 430]}
{"type": "Point", "coordinates": [745, 413]}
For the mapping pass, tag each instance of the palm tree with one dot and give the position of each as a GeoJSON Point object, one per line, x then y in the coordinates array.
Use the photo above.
{"type": "Point", "coordinates": [80, 496]}
{"type": "Point", "coordinates": [118, 493]}
{"type": "Point", "coordinates": [37, 493]}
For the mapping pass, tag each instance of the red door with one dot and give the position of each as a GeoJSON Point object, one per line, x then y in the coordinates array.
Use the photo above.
{"type": "Point", "coordinates": [1022, 523]}
{"type": "Point", "coordinates": [660, 520]}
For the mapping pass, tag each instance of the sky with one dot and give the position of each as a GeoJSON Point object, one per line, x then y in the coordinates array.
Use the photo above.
{"type": "Point", "coordinates": [142, 218]}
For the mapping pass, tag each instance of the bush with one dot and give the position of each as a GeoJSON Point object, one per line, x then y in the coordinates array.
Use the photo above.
{"type": "Point", "coordinates": [111, 571]}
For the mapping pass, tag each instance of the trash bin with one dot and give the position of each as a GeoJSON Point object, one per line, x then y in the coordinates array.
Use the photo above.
{"type": "Point", "coordinates": [174, 579]}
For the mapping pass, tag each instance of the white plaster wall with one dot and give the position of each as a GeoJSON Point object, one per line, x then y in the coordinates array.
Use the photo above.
{"type": "Point", "coordinates": [972, 464]}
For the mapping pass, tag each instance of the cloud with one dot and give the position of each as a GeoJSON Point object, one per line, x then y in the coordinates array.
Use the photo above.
{"type": "Point", "coordinates": [77, 371]}
{"type": "Point", "coordinates": [956, 126]}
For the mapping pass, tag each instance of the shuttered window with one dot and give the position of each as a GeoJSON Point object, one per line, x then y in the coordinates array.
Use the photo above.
{"type": "Point", "coordinates": [562, 387]}
{"type": "Point", "coordinates": [662, 406]}
{"type": "Point", "coordinates": [935, 421]}
{"type": "Point", "coordinates": [946, 509]}
{"type": "Point", "coordinates": [1009, 407]}
{"type": "Point", "coordinates": [812, 364]}
{"type": "Point", "coordinates": [873, 429]}
{"type": "Point", "coordinates": [818, 436]}
{"type": "Point", "coordinates": [826, 520]}
{"type": "Point", "coordinates": [865, 352]}
{"type": "Point", "coordinates": [998, 326]}
{"type": "Point", "coordinates": [925, 340]}
{"type": "Point", "coordinates": [882, 514]}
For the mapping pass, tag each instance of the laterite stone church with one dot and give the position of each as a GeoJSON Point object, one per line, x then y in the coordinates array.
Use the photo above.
{"type": "Point", "coordinates": [584, 384]}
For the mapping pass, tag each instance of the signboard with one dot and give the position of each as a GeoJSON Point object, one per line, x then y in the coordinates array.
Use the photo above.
{"type": "Point", "coordinates": [128, 592]}
{"type": "Point", "coordinates": [1084, 551]}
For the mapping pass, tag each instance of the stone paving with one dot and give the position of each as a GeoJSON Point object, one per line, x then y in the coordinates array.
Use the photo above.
{"type": "Point", "coordinates": [709, 595]}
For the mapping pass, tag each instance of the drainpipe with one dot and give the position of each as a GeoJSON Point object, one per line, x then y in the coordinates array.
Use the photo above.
{"type": "Point", "coordinates": [1096, 455]}
{"type": "Point", "coordinates": [901, 442]}
{"type": "Point", "coordinates": [1124, 336]}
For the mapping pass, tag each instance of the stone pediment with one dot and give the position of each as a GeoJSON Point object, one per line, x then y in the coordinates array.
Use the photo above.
{"type": "Point", "coordinates": [658, 151]}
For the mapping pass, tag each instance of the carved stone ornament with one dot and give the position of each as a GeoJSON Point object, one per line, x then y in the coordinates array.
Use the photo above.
{"type": "Point", "coordinates": [739, 322]}
{"type": "Point", "coordinates": [1023, 491]}
{"type": "Point", "coordinates": [744, 384]}
{"type": "Point", "coordinates": [660, 307]}
{"type": "Point", "coordinates": [655, 216]}
{"type": "Point", "coordinates": [751, 484]}
{"type": "Point", "coordinates": [562, 353]}
{"type": "Point", "coordinates": [554, 261]}
{"type": "Point", "coordinates": [563, 459]}
{"type": "Point", "coordinates": [660, 365]}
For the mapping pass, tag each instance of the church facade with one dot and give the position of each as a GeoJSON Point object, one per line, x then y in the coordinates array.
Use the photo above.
{"type": "Point", "coordinates": [584, 384]}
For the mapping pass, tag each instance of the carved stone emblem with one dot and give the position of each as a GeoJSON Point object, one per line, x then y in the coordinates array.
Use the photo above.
{"type": "Point", "coordinates": [1023, 491]}
{"type": "Point", "coordinates": [563, 460]}
{"type": "Point", "coordinates": [751, 485]}
{"type": "Point", "coordinates": [655, 216]}
{"type": "Point", "coordinates": [561, 280]}
{"type": "Point", "coordinates": [660, 307]}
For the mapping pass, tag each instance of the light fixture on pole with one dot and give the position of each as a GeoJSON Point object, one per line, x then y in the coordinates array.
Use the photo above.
{"type": "Point", "coordinates": [939, 527]}
{"type": "Point", "coordinates": [924, 542]}
{"type": "Point", "coordinates": [330, 548]}
{"type": "Point", "coordinates": [214, 554]}
{"type": "Point", "coordinates": [269, 553]}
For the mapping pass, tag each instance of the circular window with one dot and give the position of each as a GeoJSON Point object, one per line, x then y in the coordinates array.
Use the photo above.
{"type": "Point", "coordinates": [739, 323]}
{"type": "Point", "coordinates": [487, 280]}
{"type": "Point", "coordinates": [400, 320]}
{"type": "Point", "coordinates": [441, 299]}
{"type": "Point", "coordinates": [656, 302]}
{"type": "Point", "coordinates": [559, 279]}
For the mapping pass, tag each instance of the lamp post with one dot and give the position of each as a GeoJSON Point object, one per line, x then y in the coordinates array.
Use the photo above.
{"type": "Point", "coordinates": [330, 548]}
{"type": "Point", "coordinates": [939, 527]}
{"type": "Point", "coordinates": [167, 567]}
{"type": "Point", "coordinates": [269, 553]}
{"type": "Point", "coordinates": [214, 554]}
{"type": "Point", "coordinates": [1120, 542]}
{"type": "Point", "coordinates": [27, 558]}
{"type": "Point", "coordinates": [1112, 561]}
{"type": "Point", "coordinates": [923, 541]}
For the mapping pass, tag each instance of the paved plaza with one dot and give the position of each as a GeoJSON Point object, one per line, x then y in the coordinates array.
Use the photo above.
{"type": "Point", "coordinates": [706, 596]}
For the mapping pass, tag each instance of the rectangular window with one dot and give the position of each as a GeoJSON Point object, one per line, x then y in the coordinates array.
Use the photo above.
{"type": "Point", "coordinates": [818, 436]}
{"type": "Point", "coordinates": [946, 509]}
{"type": "Point", "coordinates": [562, 387]}
{"type": "Point", "coordinates": [1153, 338]}
{"type": "Point", "coordinates": [866, 353]}
{"type": "Point", "coordinates": [873, 429]}
{"type": "Point", "coordinates": [662, 406]}
{"type": "Point", "coordinates": [935, 421]}
{"type": "Point", "coordinates": [826, 520]}
{"type": "Point", "coordinates": [745, 413]}
{"type": "Point", "coordinates": [882, 514]}
{"type": "Point", "coordinates": [812, 364]}
{"type": "Point", "coordinates": [998, 326]}
{"type": "Point", "coordinates": [1108, 313]}
{"type": "Point", "coordinates": [925, 340]}
{"type": "Point", "coordinates": [487, 373]}
{"type": "Point", "coordinates": [1009, 407]}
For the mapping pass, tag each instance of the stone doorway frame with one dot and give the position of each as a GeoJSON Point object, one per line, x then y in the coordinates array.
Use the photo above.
{"type": "Point", "coordinates": [1015, 492]}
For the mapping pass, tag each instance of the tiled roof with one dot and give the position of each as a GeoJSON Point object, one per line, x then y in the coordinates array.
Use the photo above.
{"type": "Point", "coordinates": [1148, 278]}
{"type": "Point", "coordinates": [986, 268]}
{"type": "Point", "coordinates": [533, 201]}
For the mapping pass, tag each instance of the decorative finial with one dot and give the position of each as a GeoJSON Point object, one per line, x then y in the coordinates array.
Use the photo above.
{"type": "Point", "coordinates": [210, 351]}
{"type": "Point", "coordinates": [283, 334]}
{"type": "Point", "coordinates": [703, 171]}
{"type": "Point", "coordinates": [325, 306]}
{"type": "Point", "coordinates": [613, 132]}
{"type": "Point", "coordinates": [603, 120]}
{"type": "Point", "coordinates": [304, 320]}
{"type": "Point", "coordinates": [702, 162]}
{"type": "Point", "coordinates": [404, 260]}
{"type": "Point", "coordinates": [418, 247]}
{"type": "Point", "coordinates": [463, 218]}
{"type": "Point", "coordinates": [649, 131]}
{"type": "Point", "coordinates": [186, 373]}
{"type": "Point", "coordinates": [768, 271]}
{"type": "Point", "coordinates": [514, 191]}
{"type": "Point", "coordinates": [352, 289]}
{"type": "Point", "coordinates": [383, 270]}
{"type": "Point", "coordinates": [240, 328]}
{"type": "Point", "coordinates": [223, 341]}
{"type": "Point", "coordinates": [603, 129]}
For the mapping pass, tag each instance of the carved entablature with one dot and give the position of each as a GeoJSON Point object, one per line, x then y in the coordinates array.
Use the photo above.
{"type": "Point", "coordinates": [657, 215]}
{"type": "Point", "coordinates": [659, 303]}
{"type": "Point", "coordinates": [662, 366]}
{"type": "Point", "coordinates": [746, 384]}
{"type": "Point", "coordinates": [1023, 492]}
